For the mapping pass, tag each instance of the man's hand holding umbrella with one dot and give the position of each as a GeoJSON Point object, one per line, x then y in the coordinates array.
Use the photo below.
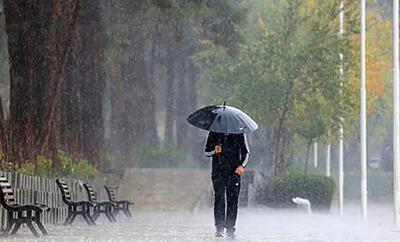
{"type": "Point", "coordinates": [218, 150]}
{"type": "Point", "coordinates": [240, 170]}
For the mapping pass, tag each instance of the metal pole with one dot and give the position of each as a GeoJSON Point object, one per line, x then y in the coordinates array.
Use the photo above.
{"type": "Point", "coordinates": [341, 131]}
{"type": "Point", "coordinates": [341, 172]}
{"type": "Point", "coordinates": [315, 154]}
{"type": "Point", "coordinates": [363, 118]}
{"type": "Point", "coordinates": [396, 116]}
{"type": "Point", "coordinates": [328, 160]}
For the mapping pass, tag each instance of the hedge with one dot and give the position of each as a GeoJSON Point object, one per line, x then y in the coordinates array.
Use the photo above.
{"type": "Point", "coordinates": [279, 192]}
{"type": "Point", "coordinates": [380, 184]}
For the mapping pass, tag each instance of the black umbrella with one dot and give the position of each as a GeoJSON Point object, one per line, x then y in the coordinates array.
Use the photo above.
{"type": "Point", "coordinates": [222, 119]}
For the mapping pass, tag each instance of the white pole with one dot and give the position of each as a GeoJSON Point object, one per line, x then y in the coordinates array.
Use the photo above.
{"type": "Point", "coordinates": [396, 116]}
{"type": "Point", "coordinates": [363, 117]}
{"type": "Point", "coordinates": [328, 160]}
{"type": "Point", "coordinates": [341, 131]}
{"type": "Point", "coordinates": [341, 173]}
{"type": "Point", "coordinates": [315, 154]}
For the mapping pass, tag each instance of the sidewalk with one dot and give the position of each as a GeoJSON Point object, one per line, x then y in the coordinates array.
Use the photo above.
{"type": "Point", "coordinates": [253, 225]}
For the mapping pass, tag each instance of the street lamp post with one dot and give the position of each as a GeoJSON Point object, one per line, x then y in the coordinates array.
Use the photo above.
{"type": "Point", "coordinates": [341, 131]}
{"type": "Point", "coordinates": [315, 154]}
{"type": "Point", "coordinates": [363, 117]}
{"type": "Point", "coordinates": [396, 116]}
{"type": "Point", "coordinates": [328, 160]}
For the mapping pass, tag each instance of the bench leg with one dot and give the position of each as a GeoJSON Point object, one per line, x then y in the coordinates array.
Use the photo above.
{"type": "Point", "coordinates": [96, 213]}
{"type": "Point", "coordinates": [32, 229]}
{"type": "Point", "coordinates": [110, 214]}
{"type": "Point", "coordinates": [17, 222]}
{"type": "Point", "coordinates": [40, 225]}
{"type": "Point", "coordinates": [125, 209]}
{"type": "Point", "coordinates": [29, 223]}
{"type": "Point", "coordinates": [69, 216]}
{"type": "Point", "coordinates": [126, 212]}
{"type": "Point", "coordinates": [91, 219]}
{"type": "Point", "coordinates": [87, 219]}
{"type": "Point", "coordinates": [9, 226]}
{"type": "Point", "coordinates": [109, 217]}
{"type": "Point", "coordinates": [116, 210]}
{"type": "Point", "coordinates": [73, 216]}
{"type": "Point", "coordinates": [86, 215]}
{"type": "Point", "coordinates": [16, 227]}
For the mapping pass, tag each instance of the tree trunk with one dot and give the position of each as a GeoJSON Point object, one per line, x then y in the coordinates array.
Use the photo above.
{"type": "Point", "coordinates": [121, 133]}
{"type": "Point", "coordinates": [54, 92]}
{"type": "Point", "coordinates": [279, 162]}
{"type": "Point", "coordinates": [307, 157]}
{"type": "Point", "coordinates": [132, 99]}
{"type": "Point", "coordinates": [60, 53]}
{"type": "Point", "coordinates": [3, 136]}
{"type": "Point", "coordinates": [93, 83]}
{"type": "Point", "coordinates": [194, 142]}
{"type": "Point", "coordinates": [21, 69]}
{"type": "Point", "coordinates": [170, 96]}
{"type": "Point", "coordinates": [181, 101]}
{"type": "Point", "coordinates": [71, 129]}
{"type": "Point", "coordinates": [151, 125]}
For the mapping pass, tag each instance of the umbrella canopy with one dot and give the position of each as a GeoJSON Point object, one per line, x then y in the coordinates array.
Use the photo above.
{"type": "Point", "coordinates": [222, 119]}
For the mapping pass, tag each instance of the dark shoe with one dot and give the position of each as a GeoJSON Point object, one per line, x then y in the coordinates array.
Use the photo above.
{"type": "Point", "coordinates": [219, 233]}
{"type": "Point", "coordinates": [230, 233]}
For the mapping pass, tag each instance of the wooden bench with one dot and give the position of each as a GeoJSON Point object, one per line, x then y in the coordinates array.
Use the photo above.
{"type": "Point", "coordinates": [74, 208]}
{"type": "Point", "coordinates": [121, 205]}
{"type": "Point", "coordinates": [105, 207]}
{"type": "Point", "coordinates": [20, 214]}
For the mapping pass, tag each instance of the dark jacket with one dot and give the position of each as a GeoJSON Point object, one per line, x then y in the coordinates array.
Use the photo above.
{"type": "Point", "coordinates": [235, 151]}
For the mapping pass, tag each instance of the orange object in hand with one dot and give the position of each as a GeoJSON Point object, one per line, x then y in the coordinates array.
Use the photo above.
{"type": "Point", "coordinates": [218, 149]}
{"type": "Point", "coordinates": [240, 170]}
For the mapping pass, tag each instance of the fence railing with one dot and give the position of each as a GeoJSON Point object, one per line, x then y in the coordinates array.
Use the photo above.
{"type": "Point", "coordinates": [34, 189]}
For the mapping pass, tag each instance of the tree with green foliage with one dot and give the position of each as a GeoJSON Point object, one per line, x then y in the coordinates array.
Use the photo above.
{"type": "Point", "coordinates": [286, 72]}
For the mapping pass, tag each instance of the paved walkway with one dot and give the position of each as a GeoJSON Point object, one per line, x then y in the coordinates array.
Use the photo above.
{"type": "Point", "coordinates": [253, 225]}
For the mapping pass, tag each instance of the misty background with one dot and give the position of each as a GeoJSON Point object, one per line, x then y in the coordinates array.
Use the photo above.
{"type": "Point", "coordinates": [112, 82]}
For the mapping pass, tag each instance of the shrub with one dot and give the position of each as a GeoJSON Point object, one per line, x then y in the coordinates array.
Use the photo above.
{"type": "Point", "coordinates": [27, 168]}
{"type": "Point", "coordinates": [43, 167]}
{"type": "Point", "coordinates": [380, 183]}
{"type": "Point", "coordinates": [76, 168]}
{"type": "Point", "coordinates": [66, 164]}
{"type": "Point", "coordinates": [2, 155]}
{"type": "Point", "coordinates": [81, 169]}
{"type": "Point", "coordinates": [318, 189]}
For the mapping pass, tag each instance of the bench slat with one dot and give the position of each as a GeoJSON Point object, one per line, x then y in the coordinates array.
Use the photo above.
{"type": "Point", "coordinates": [5, 184]}
{"type": "Point", "coordinates": [9, 197]}
{"type": "Point", "coordinates": [7, 190]}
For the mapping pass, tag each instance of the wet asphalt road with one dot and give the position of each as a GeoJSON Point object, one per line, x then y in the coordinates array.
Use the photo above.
{"type": "Point", "coordinates": [257, 224]}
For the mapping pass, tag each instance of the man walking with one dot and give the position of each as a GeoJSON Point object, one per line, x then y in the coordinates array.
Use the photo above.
{"type": "Point", "coordinates": [230, 155]}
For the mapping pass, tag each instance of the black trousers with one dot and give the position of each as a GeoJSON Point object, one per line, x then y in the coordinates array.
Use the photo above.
{"type": "Point", "coordinates": [225, 214]}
